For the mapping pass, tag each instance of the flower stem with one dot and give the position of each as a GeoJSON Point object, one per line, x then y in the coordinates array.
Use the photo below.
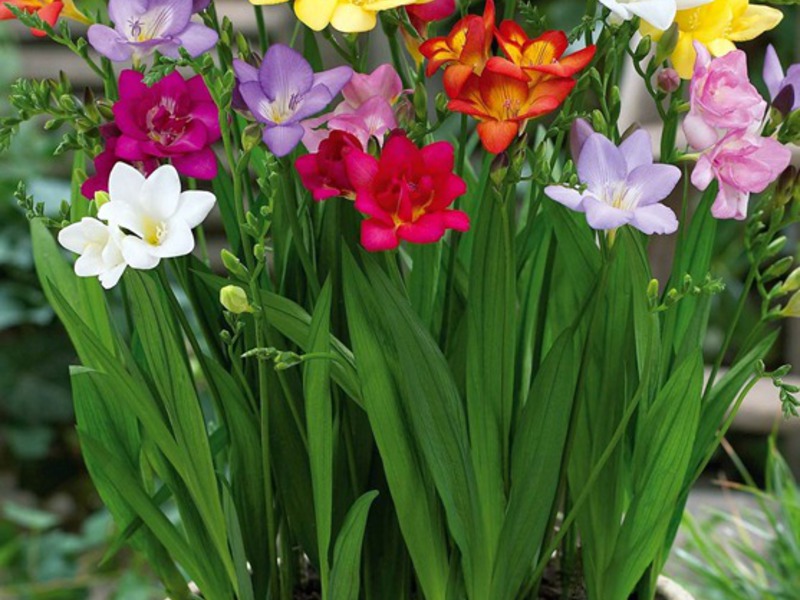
{"type": "Point", "coordinates": [263, 35]}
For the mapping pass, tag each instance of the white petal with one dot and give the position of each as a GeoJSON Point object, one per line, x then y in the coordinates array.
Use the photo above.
{"type": "Point", "coordinates": [138, 254]}
{"type": "Point", "coordinates": [78, 236]}
{"type": "Point", "coordinates": [119, 214]}
{"type": "Point", "coordinates": [161, 192]}
{"type": "Point", "coordinates": [111, 277]}
{"type": "Point", "coordinates": [567, 196]}
{"type": "Point", "coordinates": [179, 241]}
{"type": "Point", "coordinates": [125, 184]}
{"type": "Point", "coordinates": [194, 207]}
{"type": "Point", "coordinates": [659, 13]}
{"type": "Point", "coordinates": [601, 216]}
{"type": "Point", "coordinates": [90, 263]}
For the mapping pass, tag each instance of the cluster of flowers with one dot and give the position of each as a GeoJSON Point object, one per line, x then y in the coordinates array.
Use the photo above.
{"type": "Point", "coordinates": [358, 151]}
{"type": "Point", "coordinates": [503, 93]}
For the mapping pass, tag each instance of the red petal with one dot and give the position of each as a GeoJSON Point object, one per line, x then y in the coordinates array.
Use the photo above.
{"type": "Point", "coordinates": [503, 66]}
{"type": "Point", "coordinates": [456, 219]}
{"type": "Point", "coordinates": [438, 157]}
{"type": "Point", "coordinates": [455, 76]}
{"type": "Point", "coordinates": [377, 237]}
{"type": "Point", "coordinates": [557, 39]}
{"type": "Point", "coordinates": [361, 169]}
{"type": "Point", "coordinates": [496, 136]}
{"type": "Point", "coordinates": [569, 65]}
{"type": "Point", "coordinates": [428, 229]}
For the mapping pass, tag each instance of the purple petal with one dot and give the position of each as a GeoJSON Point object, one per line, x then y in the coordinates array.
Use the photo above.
{"type": "Point", "coordinates": [570, 198]}
{"type": "Point", "coordinates": [197, 39]}
{"type": "Point", "coordinates": [653, 183]}
{"type": "Point", "coordinates": [314, 101]}
{"type": "Point", "coordinates": [334, 79]}
{"type": "Point", "coordinates": [122, 11]}
{"type": "Point", "coordinates": [773, 72]}
{"type": "Point", "coordinates": [601, 163]}
{"type": "Point", "coordinates": [601, 216]}
{"type": "Point", "coordinates": [285, 73]}
{"type": "Point", "coordinates": [580, 132]}
{"type": "Point", "coordinates": [245, 72]}
{"type": "Point", "coordinates": [200, 5]}
{"type": "Point", "coordinates": [655, 218]}
{"type": "Point", "coordinates": [637, 149]}
{"type": "Point", "coordinates": [282, 139]}
{"type": "Point", "coordinates": [166, 17]}
{"type": "Point", "coordinates": [109, 43]}
{"type": "Point", "coordinates": [256, 100]}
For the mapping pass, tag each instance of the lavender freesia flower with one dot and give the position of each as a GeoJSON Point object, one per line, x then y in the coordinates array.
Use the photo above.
{"type": "Point", "coordinates": [623, 185]}
{"type": "Point", "coordinates": [144, 26]}
{"type": "Point", "coordinates": [287, 91]}
{"type": "Point", "coordinates": [784, 88]}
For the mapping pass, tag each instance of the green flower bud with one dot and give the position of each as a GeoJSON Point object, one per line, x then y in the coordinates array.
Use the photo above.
{"type": "Point", "coordinates": [666, 45]}
{"type": "Point", "coordinates": [643, 49]}
{"type": "Point", "coordinates": [779, 268]}
{"type": "Point", "coordinates": [234, 299]}
{"type": "Point", "coordinates": [234, 265]}
{"type": "Point", "coordinates": [792, 282]}
{"type": "Point", "coordinates": [101, 198]}
{"type": "Point", "coordinates": [251, 137]}
{"type": "Point", "coordinates": [421, 101]}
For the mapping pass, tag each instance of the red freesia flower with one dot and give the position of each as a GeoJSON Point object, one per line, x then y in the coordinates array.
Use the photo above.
{"type": "Point", "coordinates": [406, 193]}
{"type": "Point", "coordinates": [420, 15]}
{"type": "Point", "coordinates": [105, 161]}
{"type": "Point", "coordinates": [503, 104]}
{"type": "Point", "coordinates": [540, 58]}
{"type": "Point", "coordinates": [324, 173]}
{"type": "Point", "coordinates": [464, 51]}
{"type": "Point", "coordinates": [174, 119]}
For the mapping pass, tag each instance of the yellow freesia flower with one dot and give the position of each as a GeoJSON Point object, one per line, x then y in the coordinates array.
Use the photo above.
{"type": "Point", "coordinates": [717, 26]}
{"type": "Point", "coordinates": [349, 16]}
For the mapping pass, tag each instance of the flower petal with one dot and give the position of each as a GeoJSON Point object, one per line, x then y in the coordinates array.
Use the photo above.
{"type": "Point", "coordinates": [653, 183]}
{"type": "Point", "coordinates": [570, 198]}
{"type": "Point", "coordinates": [601, 163]}
{"type": "Point", "coordinates": [282, 139]}
{"type": "Point", "coordinates": [194, 207]}
{"type": "Point", "coordinates": [160, 193]}
{"type": "Point", "coordinates": [655, 218]}
{"type": "Point", "coordinates": [603, 217]}
{"type": "Point", "coordinates": [284, 73]}
{"type": "Point", "coordinates": [377, 237]}
{"type": "Point", "coordinates": [637, 149]}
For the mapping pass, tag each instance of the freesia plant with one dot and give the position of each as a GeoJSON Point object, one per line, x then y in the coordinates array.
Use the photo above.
{"type": "Point", "coordinates": [432, 360]}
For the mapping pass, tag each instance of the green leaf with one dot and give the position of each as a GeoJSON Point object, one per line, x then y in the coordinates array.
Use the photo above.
{"type": "Point", "coordinates": [414, 499]}
{"type": "Point", "coordinates": [491, 343]}
{"type": "Point", "coordinates": [319, 423]}
{"type": "Point", "coordinates": [346, 573]}
{"type": "Point", "coordinates": [658, 466]}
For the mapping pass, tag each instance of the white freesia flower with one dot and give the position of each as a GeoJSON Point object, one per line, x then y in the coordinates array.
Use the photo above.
{"type": "Point", "coordinates": [659, 13]}
{"type": "Point", "coordinates": [154, 210]}
{"type": "Point", "coordinates": [99, 249]}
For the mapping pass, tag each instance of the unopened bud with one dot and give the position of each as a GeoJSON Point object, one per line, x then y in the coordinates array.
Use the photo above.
{"type": "Point", "coordinates": [499, 169]}
{"type": "Point", "coordinates": [666, 45]}
{"type": "Point", "coordinates": [441, 106]}
{"type": "Point", "coordinates": [792, 282]}
{"type": "Point", "coordinates": [251, 137]}
{"type": "Point", "coordinates": [234, 265]}
{"type": "Point", "coordinates": [652, 292]}
{"type": "Point", "coordinates": [779, 268]}
{"type": "Point", "coordinates": [101, 198]}
{"type": "Point", "coordinates": [668, 80]}
{"type": "Point", "coordinates": [421, 101]}
{"type": "Point", "coordinates": [643, 49]}
{"type": "Point", "coordinates": [234, 299]}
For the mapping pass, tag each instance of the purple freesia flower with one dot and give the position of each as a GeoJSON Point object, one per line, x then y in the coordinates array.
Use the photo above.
{"type": "Point", "coordinates": [173, 119]}
{"type": "Point", "coordinates": [286, 92]}
{"type": "Point", "coordinates": [144, 26]}
{"type": "Point", "coordinates": [784, 88]}
{"type": "Point", "coordinates": [623, 185]}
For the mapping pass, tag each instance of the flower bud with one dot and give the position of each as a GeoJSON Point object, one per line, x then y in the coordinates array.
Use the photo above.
{"type": "Point", "coordinates": [792, 282]}
{"type": "Point", "coordinates": [234, 265]}
{"type": "Point", "coordinates": [668, 80]}
{"type": "Point", "coordinates": [234, 299]}
{"type": "Point", "coordinates": [499, 169]}
{"type": "Point", "coordinates": [778, 268]}
{"type": "Point", "coordinates": [251, 137]}
{"type": "Point", "coordinates": [441, 106]}
{"type": "Point", "coordinates": [420, 101]}
{"type": "Point", "coordinates": [793, 308]}
{"type": "Point", "coordinates": [101, 198]}
{"type": "Point", "coordinates": [643, 49]}
{"type": "Point", "coordinates": [666, 45]}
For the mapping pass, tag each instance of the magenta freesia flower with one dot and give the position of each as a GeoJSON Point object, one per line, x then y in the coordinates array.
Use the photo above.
{"type": "Point", "coordinates": [784, 88]}
{"type": "Point", "coordinates": [743, 163]}
{"type": "Point", "coordinates": [287, 91]}
{"type": "Point", "coordinates": [142, 27]}
{"type": "Point", "coordinates": [105, 161]}
{"type": "Point", "coordinates": [722, 99]}
{"type": "Point", "coordinates": [175, 119]}
{"type": "Point", "coordinates": [406, 193]}
{"type": "Point", "coordinates": [324, 173]}
{"type": "Point", "coordinates": [623, 185]}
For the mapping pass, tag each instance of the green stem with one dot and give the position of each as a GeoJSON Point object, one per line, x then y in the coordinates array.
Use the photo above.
{"type": "Point", "coordinates": [263, 35]}
{"type": "Point", "coordinates": [297, 231]}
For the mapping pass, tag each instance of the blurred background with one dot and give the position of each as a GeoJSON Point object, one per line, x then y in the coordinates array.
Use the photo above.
{"type": "Point", "coordinates": [53, 530]}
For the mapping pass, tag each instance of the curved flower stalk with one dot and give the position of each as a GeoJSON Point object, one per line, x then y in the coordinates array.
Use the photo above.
{"type": "Point", "coordinates": [406, 193]}
{"type": "Point", "coordinates": [142, 27]}
{"type": "Point", "coordinates": [717, 26]}
{"type": "Point", "coordinates": [48, 11]}
{"type": "Point", "coordinates": [659, 13]}
{"type": "Point", "coordinates": [623, 186]}
{"type": "Point", "coordinates": [286, 92]}
{"type": "Point", "coordinates": [174, 119]}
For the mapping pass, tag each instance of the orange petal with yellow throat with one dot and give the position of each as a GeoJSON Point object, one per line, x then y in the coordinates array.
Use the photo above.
{"type": "Point", "coordinates": [496, 136]}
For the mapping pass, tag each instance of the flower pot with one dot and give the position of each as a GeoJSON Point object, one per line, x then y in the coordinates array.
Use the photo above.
{"type": "Point", "coordinates": [669, 590]}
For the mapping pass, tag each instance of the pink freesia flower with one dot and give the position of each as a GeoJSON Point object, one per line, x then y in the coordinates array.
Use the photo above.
{"type": "Point", "coordinates": [722, 98]}
{"type": "Point", "coordinates": [743, 163]}
{"type": "Point", "coordinates": [383, 82]}
{"type": "Point", "coordinates": [105, 161]}
{"type": "Point", "coordinates": [406, 193]}
{"type": "Point", "coordinates": [175, 119]}
{"type": "Point", "coordinates": [324, 173]}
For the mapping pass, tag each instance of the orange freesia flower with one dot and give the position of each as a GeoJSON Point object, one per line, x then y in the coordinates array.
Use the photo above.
{"type": "Point", "coordinates": [503, 103]}
{"type": "Point", "coordinates": [465, 51]}
{"type": "Point", "coordinates": [48, 11]}
{"type": "Point", "coordinates": [539, 58]}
